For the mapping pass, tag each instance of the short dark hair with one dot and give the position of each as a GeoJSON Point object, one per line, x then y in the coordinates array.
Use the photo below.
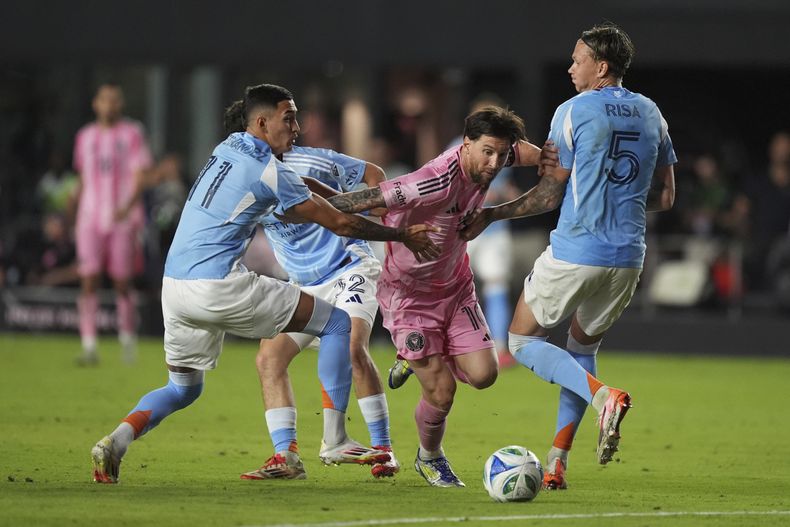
{"type": "Point", "coordinates": [269, 95]}
{"type": "Point", "coordinates": [494, 121]}
{"type": "Point", "coordinates": [609, 42]}
{"type": "Point", "coordinates": [108, 83]}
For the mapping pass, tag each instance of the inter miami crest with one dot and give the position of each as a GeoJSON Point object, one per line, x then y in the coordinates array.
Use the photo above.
{"type": "Point", "coordinates": [415, 341]}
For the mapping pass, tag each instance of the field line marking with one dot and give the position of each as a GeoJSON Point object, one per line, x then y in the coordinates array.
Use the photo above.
{"type": "Point", "coordinates": [458, 519]}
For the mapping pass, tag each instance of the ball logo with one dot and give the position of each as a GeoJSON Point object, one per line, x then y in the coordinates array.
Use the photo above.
{"type": "Point", "coordinates": [415, 341]}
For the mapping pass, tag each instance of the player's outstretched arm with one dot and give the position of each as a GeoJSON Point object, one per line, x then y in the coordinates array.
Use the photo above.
{"type": "Point", "coordinates": [543, 197]}
{"type": "Point", "coordinates": [316, 187]}
{"type": "Point", "coordinates": [359, 200]}
{"type": "Point", "coordinates": [318, 210]}
{"type": "Point", "coordinates": [529, 155]}
{"type": "Point", "coordinates": [374, 175]}
{"type": "Point", "coordinates": [661, 195]}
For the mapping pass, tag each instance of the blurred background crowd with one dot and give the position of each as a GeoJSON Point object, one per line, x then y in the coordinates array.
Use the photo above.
{"type": "Point", "coordinates": [724, 247]}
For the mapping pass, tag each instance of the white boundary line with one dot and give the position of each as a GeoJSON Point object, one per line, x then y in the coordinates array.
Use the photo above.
{"type": "Point", "coordinates": [458, 519]}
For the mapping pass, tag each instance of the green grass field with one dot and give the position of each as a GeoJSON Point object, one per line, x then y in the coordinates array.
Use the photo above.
{"type": "Point", "coordinates": [705, 435]}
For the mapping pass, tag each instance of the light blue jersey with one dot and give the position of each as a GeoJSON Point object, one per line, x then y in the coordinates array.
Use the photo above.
{"type": "Point", "coordinates": [611, 140]}
{"type": "Point", "coordinates": [309, 253]}
{"type": "Point", "coordinates": [241, 181]}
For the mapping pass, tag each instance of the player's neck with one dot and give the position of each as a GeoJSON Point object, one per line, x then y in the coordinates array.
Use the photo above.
{"type": "Point", "coordinates": [108, 123]}
{"type": "Point", "coordinates": [608, 82]}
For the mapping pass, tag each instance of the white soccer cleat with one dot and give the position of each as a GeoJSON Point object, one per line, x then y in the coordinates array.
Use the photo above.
{"type": "Point", "coordinates": [387, 469]}
{"type": "Point", "coordinates": [106, 465]}
{"type": "Point", "coordinates": [609, 419]}
{"type": "Point", "coordinates": [352, 452]}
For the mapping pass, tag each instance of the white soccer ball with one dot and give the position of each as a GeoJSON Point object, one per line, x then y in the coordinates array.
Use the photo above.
{"type": "Point", "coordinates": [513, 473]}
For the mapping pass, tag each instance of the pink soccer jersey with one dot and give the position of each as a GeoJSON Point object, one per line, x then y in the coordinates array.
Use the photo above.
{"type": "Point", "coordinates": [437, 194]}
{"type": "Point", "coordinates": [107, 159]}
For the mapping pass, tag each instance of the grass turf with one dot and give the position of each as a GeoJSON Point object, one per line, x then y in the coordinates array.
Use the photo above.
{"type": "Point", "coordinates": [705, 434]}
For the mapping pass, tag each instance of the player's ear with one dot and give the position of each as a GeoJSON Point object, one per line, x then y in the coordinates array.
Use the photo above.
{"type": "Point", "coordinates": [603, 69]}
{"type": "Point", "coordinates": [260, 121]}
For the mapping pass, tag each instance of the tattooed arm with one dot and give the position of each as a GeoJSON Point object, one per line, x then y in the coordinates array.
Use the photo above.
{"type": "Point", "coordinates": [661, 195]}
{"type": "Point", "coordinates": [359, 200]}
{"type": "Point", "coordinates": [317, 209]}
{"type": "Point", "coordinates": [543, 197]}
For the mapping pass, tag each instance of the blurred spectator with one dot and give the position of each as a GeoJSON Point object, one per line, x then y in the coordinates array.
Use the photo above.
{"type": "Point", "coordinates": [769, 199]}
{"type": "Point", "coordinates": [57, 188]}
{"type": "Point", "coordinates": [166, 195]}
{"type": "Point", "coordinates": [57, 265]}
{"type": "Point", "coordinates": [382, 152]}
{"type": "Point", "coordinates": [709, 199]}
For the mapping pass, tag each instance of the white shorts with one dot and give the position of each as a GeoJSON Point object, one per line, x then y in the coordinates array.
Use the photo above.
{"type": "Point", "coordinates": [491, 256]}
{"type": "Point", "coordinates": [599, 295]}
{"type": "Point", "coordinates": [353, 291]}
{"type": "Point", "coordinates": [197, 313]}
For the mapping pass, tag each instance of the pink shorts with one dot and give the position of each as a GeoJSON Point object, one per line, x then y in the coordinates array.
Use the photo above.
{"type": "Point", "coordinates": [446, 322]}
{"type": "Point", "coordinates": [117, 250]}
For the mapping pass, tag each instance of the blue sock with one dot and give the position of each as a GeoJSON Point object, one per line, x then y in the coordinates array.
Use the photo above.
{"type": "Point", "coordinates": [281, 423]}
{"type": "Point", "coordinates": [553, 364]}
{"type": "Point", "coordinates": [572, 407]}
{"type": "Point", "coordinates": [181, 390]}
{"type": "Point", "coordinates": [376, 414]}
{"type": "Point", "coordinates": [498, 313]}
{"type": "Point", "coordinates": [333, 325]}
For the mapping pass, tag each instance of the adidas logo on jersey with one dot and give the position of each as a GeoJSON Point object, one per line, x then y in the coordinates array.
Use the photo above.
{"type": "Point", "coordinates": [355, 299]}
{"type": "Point", "coordinates": [454, 209]}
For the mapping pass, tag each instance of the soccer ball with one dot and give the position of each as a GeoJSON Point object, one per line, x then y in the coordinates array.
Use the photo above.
{"type": "Point", "coordinates": [513, 473]}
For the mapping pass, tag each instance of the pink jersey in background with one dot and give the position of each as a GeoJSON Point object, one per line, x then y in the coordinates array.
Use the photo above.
{"type": "Point", "coordinates": [107, 159]}
{"type": "Point", "coordinates": [438, 194]}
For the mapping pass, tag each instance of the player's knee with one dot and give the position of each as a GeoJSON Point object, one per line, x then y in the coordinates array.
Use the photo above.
{"type": "Point", "coordinates": [516, 342]}
{"type": "Point", "coordinates": [339, 322]}
{"type": "Point", "coordinates": [484, 379]}
{"type": "Point", "coordinates": [186, 395]}
{"type": "Point", "coordinates": [185, 387]}
{"type": "Point", "coordinates": [441, 396]}
{"type": "Point", "coordinates": [269, 361]}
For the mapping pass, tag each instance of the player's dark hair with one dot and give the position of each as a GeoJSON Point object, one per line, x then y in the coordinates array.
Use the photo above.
{"type": "Point", "coordinates": [496, 122]}
{"type": "Point", "coordinates": [107, 83]}
{"type": "Point", "coordinates": [609, 42]}
{"type": "Point", "coordinates": [267, 95]}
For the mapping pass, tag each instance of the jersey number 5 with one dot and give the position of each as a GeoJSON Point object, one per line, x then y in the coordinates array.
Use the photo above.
{"type": "Point", "coordinates": [626, 159]}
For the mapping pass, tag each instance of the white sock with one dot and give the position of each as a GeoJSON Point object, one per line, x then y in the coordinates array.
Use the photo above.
{"type": "Point", "coordinates": [583, 349]}
{"type": "Point", "coordinates": [600, 397]}
{"type": "Point", "coordinates": [122, 437]}
{"type": "Point", "coordinates": [89, 345]}
{"type": "Point", "coordinates": [425, 455]}
{"type": "Point", "coordinates": [556, 453]}
{"type": "Point", "coordinates": [373, 407]}
{"type": "Point", "coordinates": [334, 427]}
{"type": "Point", "coordinates": [284, 417]}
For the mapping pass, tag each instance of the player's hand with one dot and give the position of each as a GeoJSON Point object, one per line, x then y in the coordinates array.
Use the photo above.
{"type": "Point", "coordinates": [121, 214]}
{"type": "Point", "coordinates": [549, 157]}
{"type": "Point", "coordinates": [474, 223]}
{"type": "Point", "coordinates": [418, 242]}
